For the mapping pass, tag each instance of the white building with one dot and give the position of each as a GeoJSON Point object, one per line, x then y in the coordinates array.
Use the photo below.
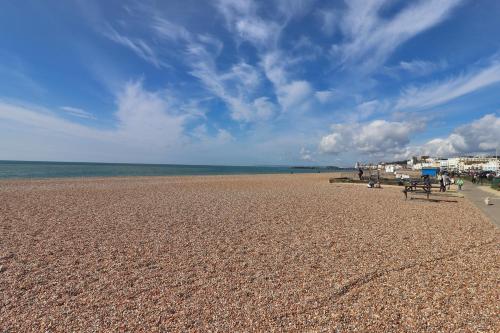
{"type": "Point", "coordinates": [491, 165]}
{"type": "Point", "coordinates": [443, 164]}
{"type": "Point", "coordinates": [462, 164]}
{"type": "Point", "coordinates": [454, 163]}
{"type": "Point", "coordinates": [390, 168]}
{"type": "Point", "coordinates": [417, 166]}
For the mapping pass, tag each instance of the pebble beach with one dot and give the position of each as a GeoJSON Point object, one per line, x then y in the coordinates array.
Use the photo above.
{"type": "Point", "coordinates": [263, 253]}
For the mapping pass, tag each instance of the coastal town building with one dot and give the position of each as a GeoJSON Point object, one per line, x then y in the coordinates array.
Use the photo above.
{"type": "Point", "coordinates": [389, 168]}
{"type": "Point", "coordinates": [458, 164]}
{"type": "Point", "coordinates": [492, 165]}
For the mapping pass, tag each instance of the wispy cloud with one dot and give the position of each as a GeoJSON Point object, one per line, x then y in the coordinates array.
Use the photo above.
{"type": "Point", "coordinates": [77, 112]}
{"type": "Point", "coordinates": [372, 39]}
{"type": "Point", "coordinates": [241, 17]}
{"type": "Point", "coordinates": [169, 30]}
{"type": "Point", "coordinates": [291, 94]}
{"type": "Point", "coordinates": [295, 8]}
{"type": "Point", "coordinates": [13, 69]}
{"type": "Point", "coordinates": [137, 45]}
{"type": "Point", "coordinates": [440, 92]}
{"type": "Point", "coordinates": [421, 67]}
{"type": "Point", "coordinates": [235, 87]}
{"type": "Point", "coordinates": [144, 119]}
{"type": "Point", "coordinates": [45, 119]}
{"type": "Point", "coordinates": [416, 68]}
{"type": "Point", "coordinates": [257, 74]}
{"type": "Point", "coordinates": [325, 96]}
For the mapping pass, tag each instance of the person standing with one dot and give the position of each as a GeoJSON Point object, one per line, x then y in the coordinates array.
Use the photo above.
{"type": "Point", "coordinates": [360, 174]}
{"type": "Point", "coordinates": [460, 183]}
{"type": "Point", "coordinates": [447, 181]}
{"type": "Point", "coordinates": [442, 187]}
{"type": "Point", "coordinates": [427, 184]}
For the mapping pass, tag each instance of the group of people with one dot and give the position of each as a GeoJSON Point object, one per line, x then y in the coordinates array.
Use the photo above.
{"type": "Point", "coordinates": [371, 182]}
{"type": "Point", "coordinates": [445, 182]}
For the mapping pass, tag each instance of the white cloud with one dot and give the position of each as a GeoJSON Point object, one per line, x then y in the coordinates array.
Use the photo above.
{"type": "Point", "coordinates": [224, 136]}
{"type": "Point", "coordinates": [304, 49]}
{"type": "Point", "coordinates": [77, 112]}
{"type": "Point", "coordinates": [234, 87]}
{"type": "Point", "coordinates": [482, 135]}
{"type": "Point", "coordinates": [294, 8]}
{"type": "Point", "coordinates": [365, 110]}
{"type": "Point", "coordinates": [379, 137]}
{"type": "Point", "coordinates": [145, 123]}
{"type": "Point", "coordinates": [265, 108]}
{"type": "Point", "coordinates": [371, 39]}
{"type": "Point", "coordinates": [440, 92]}
{"type": "Point", "coordinates": [245, 76]}
{"type": "Point", "coordinates": [421, 67]}
{"type": "Point", "coordinates": [294, 94]}
{"type": "Point", "coordinates": [389, 140]}
{"type": "Point", "coordinates": [42, 118]}
{"type": "Point", "coordinates": [324, 96]}
{"type": "Point", "coordinates": [145, 117]}
{"type": "Point", "coordinates": [169, 30]}
{"type": "Point", "coordinates": [368, 108]}
{"type": "Point", "coordinates": [241, 16]}
{"type": "Point", "coordinates": [272, 62]}
{"type": "Point", "coordinates": [440, 147]}
{"type": "Point", "coordinates": [306, 155]}
{"type": "Point", "coordinates": [291, 94]}
{"type": "Point", "coordinates": [244, 21]}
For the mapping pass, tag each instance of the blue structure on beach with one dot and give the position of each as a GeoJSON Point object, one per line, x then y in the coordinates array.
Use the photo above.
{"type": "Point", "coordinates": [432, 172]}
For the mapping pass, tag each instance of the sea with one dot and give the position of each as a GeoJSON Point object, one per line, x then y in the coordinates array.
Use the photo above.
{"type": "Point", "coordinates": [25, 169]}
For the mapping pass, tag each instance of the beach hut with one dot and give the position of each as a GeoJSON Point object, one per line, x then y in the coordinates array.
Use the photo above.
{"type": "Point", "coordinates": [432, 172]}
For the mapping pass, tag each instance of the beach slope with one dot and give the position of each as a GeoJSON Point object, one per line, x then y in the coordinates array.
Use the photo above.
{"type": "Point", "coordinates": [241, 253]}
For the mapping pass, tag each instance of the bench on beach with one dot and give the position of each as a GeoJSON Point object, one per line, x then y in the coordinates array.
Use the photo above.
{"type": "Point", "coordinates": [425, 189]}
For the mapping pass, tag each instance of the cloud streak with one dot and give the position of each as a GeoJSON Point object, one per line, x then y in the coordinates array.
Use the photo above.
{"type": "Point", "coordinates": [77, 112]}
{"type": "Point", "coordinates": [441, 92]}
{"type": "Point", "coordinates": [137, 45]}
{"type": "Point", "coordinates": [372, 39]}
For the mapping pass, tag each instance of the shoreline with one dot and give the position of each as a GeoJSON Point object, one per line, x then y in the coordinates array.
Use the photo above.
{"type": "Point", "coordinates": [118, 177]}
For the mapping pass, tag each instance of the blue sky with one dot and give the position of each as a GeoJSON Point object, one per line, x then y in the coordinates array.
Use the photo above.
{"type": "Point", "coordinates": [248, 82]}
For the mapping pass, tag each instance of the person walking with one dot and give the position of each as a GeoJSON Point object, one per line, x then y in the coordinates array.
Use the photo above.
{"type": "Point", "coordinates": [360, 174]}
{"type": "Point", "coordinates": [460, 183]}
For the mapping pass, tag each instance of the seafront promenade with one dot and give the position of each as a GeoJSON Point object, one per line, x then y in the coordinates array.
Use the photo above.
{"type": "Point", "coordinates": [477, 194]}
{"type": "Point", "coordinates": [241, 253]}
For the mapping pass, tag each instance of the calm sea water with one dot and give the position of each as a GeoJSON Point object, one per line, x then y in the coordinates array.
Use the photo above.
{"type": "Point", "coordinates": [16, 169]}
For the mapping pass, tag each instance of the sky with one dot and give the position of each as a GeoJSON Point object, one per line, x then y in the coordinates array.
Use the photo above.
{"type": "Point", "coordinates": [243, 82]}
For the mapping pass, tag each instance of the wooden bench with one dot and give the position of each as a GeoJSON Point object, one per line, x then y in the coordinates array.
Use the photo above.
{"type": "Point", "coordinates": [414, 188]}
